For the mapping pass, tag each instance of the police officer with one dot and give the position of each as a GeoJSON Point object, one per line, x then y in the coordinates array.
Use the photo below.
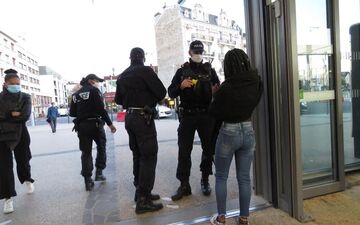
{"type": "Point", "coordinates": [194, 82]}
{"type": "Point", "coordinates": [138, 90]}
{"type": "Point", "coordinates": [87, 106]}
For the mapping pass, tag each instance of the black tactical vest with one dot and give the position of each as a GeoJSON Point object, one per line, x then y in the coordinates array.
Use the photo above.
{"type": "Point", "coordinates": [202, 82]}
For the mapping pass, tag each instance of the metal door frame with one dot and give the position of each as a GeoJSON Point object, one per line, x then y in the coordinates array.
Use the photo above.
{"type": "Point", "coordinates": [267, 161]}
{"type": "Point", "coordinates": [338, 154]}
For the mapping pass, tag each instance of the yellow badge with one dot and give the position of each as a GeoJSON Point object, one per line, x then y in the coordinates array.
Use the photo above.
{"type": "Point", "coordinates": [194, 81]}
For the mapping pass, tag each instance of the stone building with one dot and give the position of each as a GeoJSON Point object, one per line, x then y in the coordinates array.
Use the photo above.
{"type": "Point", "coordinates": [176, 27]}
{"type": "Point", "coordinates": [14, 55]}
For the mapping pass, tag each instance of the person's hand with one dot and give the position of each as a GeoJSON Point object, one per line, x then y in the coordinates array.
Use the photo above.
{"type": "Point", "coordinates": [112, 128]}
{"type": "Point", "coordinates": [15, 114]}
{"type": "Point", "coordinates": [187, 83]}
{"type": "Point", "coordinates": [215, 87]}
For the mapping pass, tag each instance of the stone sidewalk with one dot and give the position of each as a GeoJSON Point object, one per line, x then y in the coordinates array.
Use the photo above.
{"type": "Point", "coordinates": [342, 208]}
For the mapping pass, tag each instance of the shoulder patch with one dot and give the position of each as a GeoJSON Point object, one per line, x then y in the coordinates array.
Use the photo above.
{"type": "Point", "coordinates": [84, 95]}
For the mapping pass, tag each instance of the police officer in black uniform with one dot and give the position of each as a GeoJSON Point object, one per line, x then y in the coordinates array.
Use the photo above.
{"type": "Point", "coordinates": [88, 107]}
{"type": "Point", "coordinates": [138, 90]}
{"type": "Point", "coordinates": [194, 82]}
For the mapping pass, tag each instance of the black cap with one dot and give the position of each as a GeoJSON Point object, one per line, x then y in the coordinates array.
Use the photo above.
{"type": "Point", "coordinates": [10, 72]}
{"type": "Point", "coordinates": [197, 46]}
{"type": "Point", "coordinates": [93, 77]}
{"type": "Point", "coordinates": [137, 53]}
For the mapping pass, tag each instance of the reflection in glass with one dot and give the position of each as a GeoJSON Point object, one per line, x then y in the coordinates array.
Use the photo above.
{"type": "Point", "coordinates": [316, 138]}
{"type": "Point", "coordinates": [314, 72]}
{"type": "Point", "coordinates": [317, 95]}
{"type": "Point", "coordinates": [350, 83]}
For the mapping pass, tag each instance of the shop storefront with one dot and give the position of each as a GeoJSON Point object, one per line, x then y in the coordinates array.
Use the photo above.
{"type": "Point", "coordinates": [308, 54]}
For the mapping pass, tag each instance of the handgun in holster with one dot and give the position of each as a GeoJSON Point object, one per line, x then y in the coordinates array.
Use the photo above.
{"type": "Point", "coordinates": [76, 125]}
{"type": "Point", "coordinates": [99, 122]}
{"type": "Point", "coordinates": [148, 115]}
{"type": "Point", "coordinates": [180, 112]}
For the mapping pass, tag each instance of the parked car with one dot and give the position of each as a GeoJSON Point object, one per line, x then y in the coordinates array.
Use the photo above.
{"type": "Point", "coordinates": [303, 107]}
{"type": "Point", "coordinates": [63, 111]}
{"type": "Point", "coordinates": [163, 111]}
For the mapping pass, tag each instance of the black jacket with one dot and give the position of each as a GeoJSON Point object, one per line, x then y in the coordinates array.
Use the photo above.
{"type": "Point", "coordinates": [139, 86]}
{"type": "Point", "coordinates": [10, 102]}
{"type": "Point", "coordinates": [189, 99]}
{"type": "Point", "coordinates": [88, 102]}
{"type": "Point", "coordinates": [237, 97]}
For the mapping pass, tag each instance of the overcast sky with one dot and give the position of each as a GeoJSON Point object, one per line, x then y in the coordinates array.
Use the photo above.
{"type": "Point", "coordinates": [77, 37]}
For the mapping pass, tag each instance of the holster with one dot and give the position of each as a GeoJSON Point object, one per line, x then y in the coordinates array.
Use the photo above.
{"type": "Point", "coordinates": [148, 115]}
{"type": "Point", "coordinates": [180, 112]}
{"type": "Point", "coordinates": [76, 125]}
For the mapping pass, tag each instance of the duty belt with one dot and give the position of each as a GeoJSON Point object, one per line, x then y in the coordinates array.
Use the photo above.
{"type": "Point", "coordinates": [193, 110]}
{"type": "Point", "coordinates": [131, 110]}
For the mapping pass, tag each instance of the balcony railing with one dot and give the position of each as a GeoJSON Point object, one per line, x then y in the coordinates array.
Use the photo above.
{"type": "Point", "coordinates": [209, 54]}
{"type": "Point", "coordinates": [226, 42]}
{"type": "Point", "coordinates": [202, 37]}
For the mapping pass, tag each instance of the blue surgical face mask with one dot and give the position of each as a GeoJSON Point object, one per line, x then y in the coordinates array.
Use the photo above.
{"type": "Point", "coordinates": [13, 88]}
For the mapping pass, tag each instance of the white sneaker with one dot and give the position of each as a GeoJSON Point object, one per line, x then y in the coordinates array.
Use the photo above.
{"type": "Point", "coordinates": [214, 221]}
{"type": "Point", "coordinates": [30, 187]}
{"type": "Point", "coordinates": [8, 206]}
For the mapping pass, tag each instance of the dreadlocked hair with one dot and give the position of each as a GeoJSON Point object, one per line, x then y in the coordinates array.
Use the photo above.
{"type": "Point", "coordinates": [236, 62]}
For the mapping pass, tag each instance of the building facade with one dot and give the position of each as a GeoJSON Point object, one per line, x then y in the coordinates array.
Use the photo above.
{"type": "Point", "coordinates": [14, 55]}
{"type": "Point", "coordinates": [53, 84]}
{"type": "Point", "coordinates": [176, 27]}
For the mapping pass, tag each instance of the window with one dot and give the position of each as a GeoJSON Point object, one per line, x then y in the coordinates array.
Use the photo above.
{"type": "Point", "coordinates": [349, 47]}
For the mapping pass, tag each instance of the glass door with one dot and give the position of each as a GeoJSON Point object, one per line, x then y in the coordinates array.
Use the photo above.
{"type": "Point", "coordinates": [320, 111]}
{"type": "Point", "coordinates": [285, 151]}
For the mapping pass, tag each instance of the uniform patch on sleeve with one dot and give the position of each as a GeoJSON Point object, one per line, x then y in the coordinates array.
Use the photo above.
{"type": "Point", "coordinates": [85, 95]}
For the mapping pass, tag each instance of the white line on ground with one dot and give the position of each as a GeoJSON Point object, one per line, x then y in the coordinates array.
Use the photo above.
{"type": "Point", "coordinates": [5, 222]}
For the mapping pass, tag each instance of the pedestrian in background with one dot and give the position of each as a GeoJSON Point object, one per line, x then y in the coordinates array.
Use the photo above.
{"type": "Point", "coordinates": [194, 82]}
{"type": "Point", "coordinates": [88, 107]}
{"type": "Point", "coordinates": [52, 115]}
{"type": "Point", "coordinates": [15, 110]}
{"type": "Point", "coordinates": [233, 104]}
{"type": "Point", "coordinates": [139, 90]}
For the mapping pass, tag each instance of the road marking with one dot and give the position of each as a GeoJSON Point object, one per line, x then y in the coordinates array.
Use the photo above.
{"type": "Point", "coordinates": [6, 222]}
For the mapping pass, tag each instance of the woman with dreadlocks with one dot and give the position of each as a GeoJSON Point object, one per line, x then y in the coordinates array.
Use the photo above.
{"type": "Point", "coordinates": [233, 105]}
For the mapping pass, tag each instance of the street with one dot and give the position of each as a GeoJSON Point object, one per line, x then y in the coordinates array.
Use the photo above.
{"type": "Point", "coordinates": [60, 197]}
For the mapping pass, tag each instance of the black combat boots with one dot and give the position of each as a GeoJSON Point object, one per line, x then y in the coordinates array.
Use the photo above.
{"type": "Point", "coordinates": [153, 197]}
{"type": "Point", "coordinates": [99, 175]}
{"type": "Point", "coordinates": [145, 204]}
{"type": "Point", "coordinates": [89, 183]}
{"type": "Point", "coordinates": [205, 186]}
{"type": "Point", "coordinates": [183, 190]}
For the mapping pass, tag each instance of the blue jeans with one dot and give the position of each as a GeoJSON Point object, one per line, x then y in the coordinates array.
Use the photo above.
{"type": "Point", "coordinates": [235, 139]}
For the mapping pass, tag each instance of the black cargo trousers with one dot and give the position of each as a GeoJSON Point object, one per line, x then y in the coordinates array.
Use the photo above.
{"type": "Point", "coordinates": [144, 146]}
{"type": "Point", "coordinates": [203, 123]}
{"type": "Point", "coordinates": [89, 131]}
